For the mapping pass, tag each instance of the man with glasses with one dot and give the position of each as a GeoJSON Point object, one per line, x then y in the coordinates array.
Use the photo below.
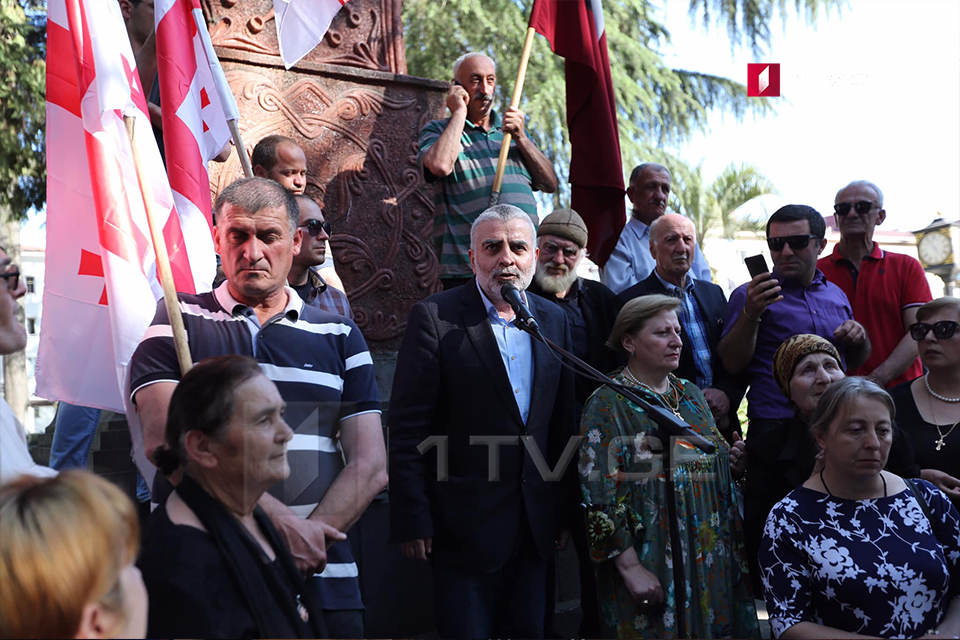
{"type": "Point", "coordinates": [591, 309]}
{"type": "Point", "coordinates": [14, 453]}
{"type": "Point", "coordinates": [303, 276]}
{"type": "Point", "coordinates": [795, 298]}
{"type": "Point", "coordinates": [884, 289]}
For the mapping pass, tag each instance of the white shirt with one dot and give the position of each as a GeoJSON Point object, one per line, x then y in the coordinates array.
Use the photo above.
{"type": "Point", "coordinates": [631, 261]}
{"type": "Point", "coordinates": [14, 455]}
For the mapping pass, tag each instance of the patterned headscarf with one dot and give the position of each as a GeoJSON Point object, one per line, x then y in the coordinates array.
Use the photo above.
{"type": "Point", "coordinates": [792, 351]}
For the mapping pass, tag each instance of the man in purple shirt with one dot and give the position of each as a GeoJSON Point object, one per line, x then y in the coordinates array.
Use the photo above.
{"type": "Point", "coordinates": [770, 308]}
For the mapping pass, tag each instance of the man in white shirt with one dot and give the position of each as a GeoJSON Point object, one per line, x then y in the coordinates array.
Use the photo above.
{"type": "Point", "coordinates": [14, 455]}
{"type": "Point", "coordinates": [631, 261]}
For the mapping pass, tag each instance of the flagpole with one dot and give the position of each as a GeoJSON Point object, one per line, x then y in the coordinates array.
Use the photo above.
{"type": "Point", "coordinates": [514, 102]}
{"type": "Point", "coordinates": [223, 90]}
{"type": "Point", "coordinates": [163, 259]}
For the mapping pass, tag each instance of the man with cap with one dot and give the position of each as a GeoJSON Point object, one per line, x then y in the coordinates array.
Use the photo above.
{"type": "Point", "coordinates": [590, 307]}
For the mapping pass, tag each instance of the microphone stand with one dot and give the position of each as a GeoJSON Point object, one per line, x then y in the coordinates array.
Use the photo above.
{"type": "Point", "coordinates": [668, 425]}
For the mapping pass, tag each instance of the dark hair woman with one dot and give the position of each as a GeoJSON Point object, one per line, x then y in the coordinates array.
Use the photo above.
{"type": "Point", "coordinates": [214, 565]}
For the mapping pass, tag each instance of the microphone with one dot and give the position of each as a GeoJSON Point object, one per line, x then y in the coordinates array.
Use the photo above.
{"type": "Point", "coordinates": [511, 295]}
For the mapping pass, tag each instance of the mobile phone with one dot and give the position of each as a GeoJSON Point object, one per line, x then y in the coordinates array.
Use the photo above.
{"type": "Point", "coordinates": [756, 265]}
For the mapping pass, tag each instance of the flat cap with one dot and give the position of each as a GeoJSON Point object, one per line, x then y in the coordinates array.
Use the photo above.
{"type": "Point", "coordinates": [565, 223]}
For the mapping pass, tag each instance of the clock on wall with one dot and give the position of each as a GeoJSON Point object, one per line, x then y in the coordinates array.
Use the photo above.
{"type": "Point", "coordinates": [935, 248]}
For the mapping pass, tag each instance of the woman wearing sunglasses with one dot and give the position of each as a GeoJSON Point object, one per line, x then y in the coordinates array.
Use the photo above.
{"type": "Point", "coordinates": [928, 408]}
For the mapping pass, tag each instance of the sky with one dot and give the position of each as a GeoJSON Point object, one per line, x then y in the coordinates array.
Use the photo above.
{"type": "Point", "coordinates": [871, 92]}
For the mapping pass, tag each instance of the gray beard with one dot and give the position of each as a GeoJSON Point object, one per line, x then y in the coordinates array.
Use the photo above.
{"type": "Point", "coordinates": [491, 287]}
{"type": "Point", "coordinates": [555, 284]}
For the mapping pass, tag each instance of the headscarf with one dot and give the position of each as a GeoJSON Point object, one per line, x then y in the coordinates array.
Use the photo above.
{"type": "Point", "coordinates": [792, 351]}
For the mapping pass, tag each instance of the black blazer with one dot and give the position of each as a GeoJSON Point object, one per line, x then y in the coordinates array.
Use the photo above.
{"type": "Point", "coordinates": [450, 382]}
{"type": "Point", "coordinates": [713, 306]}
{"type": "Point", "coordinates": [599, 307]}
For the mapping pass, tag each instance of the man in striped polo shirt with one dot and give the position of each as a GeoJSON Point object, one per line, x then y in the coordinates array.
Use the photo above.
{"type": "Point", "coordinates": [319, 362]}
{"type": "Point", "coordinates": [459, 154]}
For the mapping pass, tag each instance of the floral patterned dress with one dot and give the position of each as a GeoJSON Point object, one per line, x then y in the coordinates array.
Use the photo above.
{"type": "Point", "coordinates": [872, 567]}
{"type": "Point", "coordinates": [624, 491]}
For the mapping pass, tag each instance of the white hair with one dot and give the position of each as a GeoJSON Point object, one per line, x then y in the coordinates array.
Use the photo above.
{"type": "Point", "coordinates": [655, 225]}
{"type": "Point", "coordinates": [867, 184]}
{"type": "Point", "coordinates": [473, 54]}
{"type": "Point", "coordinates": [504, 213]}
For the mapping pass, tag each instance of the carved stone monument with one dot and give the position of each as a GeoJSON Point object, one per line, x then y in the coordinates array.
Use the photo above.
{"type": "Point", "coordinates": [357, 116]}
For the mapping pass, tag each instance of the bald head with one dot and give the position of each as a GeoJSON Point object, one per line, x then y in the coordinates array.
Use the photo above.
{"type": "Point", "coordinates": [673, 242]}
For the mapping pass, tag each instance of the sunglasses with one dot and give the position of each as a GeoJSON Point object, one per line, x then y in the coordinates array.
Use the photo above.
{"type": "Point", "coordinates": [314, 227]}
{"type": "Point", "coordinates": [861, 207]}
{"type": "Point", "coordinates": [942, 330]}
{"type": "Point", "coordinates": [796, 242]}
{"type": "Point", "coordinates": [12, 277]}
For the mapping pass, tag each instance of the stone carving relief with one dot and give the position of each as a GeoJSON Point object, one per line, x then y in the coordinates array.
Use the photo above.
{"type": "Point", "coordinates": [360, 141]}
{"type": "Point", "coordinates": [365, 34]}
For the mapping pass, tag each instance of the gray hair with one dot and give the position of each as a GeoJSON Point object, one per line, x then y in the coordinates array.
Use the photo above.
{"type": "Point", "coordinates": [836, 400]}
{"type": "Point", "coordinates": [504, 213]}
{"type": "Point", "coordinates": [635, 314]}
{"type": "Point", "coordinates": [253, 195]}
{"type": "Point", "coordinates": [646, 166]}
{"type": "Point", "coordinates": [473, 54]}
{"type": "Point", "coordinates": [939, 304]}
{"type": "Point", "coordinates": [864, 183]}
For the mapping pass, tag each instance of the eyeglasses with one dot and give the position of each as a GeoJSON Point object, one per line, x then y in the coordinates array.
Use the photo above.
{"type": "Point", "coordinates": [942, 330]}
{"type": "Point", "coordinates": [550, 248]}
{"type": "Point", "coordinates": [314, 227]}
{"type": "Point", "coordinates": [12, 276]}
{"type": "Point", "coordinates": [796, 242]}
{"type": "Point", "coordinates": [861, 207]}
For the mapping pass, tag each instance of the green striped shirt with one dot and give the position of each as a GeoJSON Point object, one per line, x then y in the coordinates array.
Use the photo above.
{"type": "Point", "coordinates": [462, 196]}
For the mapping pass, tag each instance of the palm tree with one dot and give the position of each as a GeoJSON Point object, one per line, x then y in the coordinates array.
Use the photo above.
{"type": "Point", "coordinates": [712, 208]}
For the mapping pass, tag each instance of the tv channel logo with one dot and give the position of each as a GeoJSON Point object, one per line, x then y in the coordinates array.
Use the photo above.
{"type": "Point", "coordinates": [763, 80]}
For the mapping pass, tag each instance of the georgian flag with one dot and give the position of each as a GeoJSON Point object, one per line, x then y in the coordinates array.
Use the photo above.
{"type": "Point", "coordinates": [301, 25]}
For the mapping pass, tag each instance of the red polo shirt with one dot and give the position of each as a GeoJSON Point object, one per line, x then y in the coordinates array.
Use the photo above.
{"type": "Point", "coordinates": [886, 284]}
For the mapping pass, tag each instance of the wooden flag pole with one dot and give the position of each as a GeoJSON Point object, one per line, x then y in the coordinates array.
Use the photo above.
{"type": "Point", "coordinates": [514, 102]}
{"type": "Point", "coordinates": [163, 259]}
{"type": "Point", "coordinates": [241, 150]}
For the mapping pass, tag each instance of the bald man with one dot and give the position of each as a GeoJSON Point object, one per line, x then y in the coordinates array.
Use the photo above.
{"type": "Point", "coordinates": [673, 243]}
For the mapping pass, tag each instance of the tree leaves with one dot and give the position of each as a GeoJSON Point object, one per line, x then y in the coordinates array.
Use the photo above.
{"type": "Point", "coordinates": [22, 105]}
{"type": "Point", "coordinates": [659, 107]}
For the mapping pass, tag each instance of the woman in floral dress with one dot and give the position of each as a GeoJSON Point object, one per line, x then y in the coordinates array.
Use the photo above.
{"type": "Point", "coordinates": [623, 488]}
{"type": "Point", "coordinates": [857, 551]}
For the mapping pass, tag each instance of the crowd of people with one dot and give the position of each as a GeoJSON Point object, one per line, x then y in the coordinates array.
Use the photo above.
{"type": "Point", "coordinates": [837, 508]}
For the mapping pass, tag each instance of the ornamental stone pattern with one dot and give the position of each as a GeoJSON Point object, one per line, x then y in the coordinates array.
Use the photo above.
{"type": "Point", "coordinates": [356, 114]}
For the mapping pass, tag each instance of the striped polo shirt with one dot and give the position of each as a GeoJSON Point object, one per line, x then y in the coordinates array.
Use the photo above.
{"type": "Point", "coordinates": [463, 195]}
{"type": "Point", "coordinates": [320, 364]}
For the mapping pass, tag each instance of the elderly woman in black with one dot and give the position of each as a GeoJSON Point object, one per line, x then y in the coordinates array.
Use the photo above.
{"type": "Point", "coordinates": [928, 408]}
{"type": "Point", "coordinates": [214, 565]}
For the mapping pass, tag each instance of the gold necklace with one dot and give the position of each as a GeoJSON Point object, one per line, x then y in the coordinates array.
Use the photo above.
{"type": "Point", "coordinates": [941, 442]}
{"type": "Point", "coordinates": [674, 406]}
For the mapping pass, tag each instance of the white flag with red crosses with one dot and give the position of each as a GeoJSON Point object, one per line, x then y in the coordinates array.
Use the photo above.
{"type": "Point", "coordinates": [101, 289]}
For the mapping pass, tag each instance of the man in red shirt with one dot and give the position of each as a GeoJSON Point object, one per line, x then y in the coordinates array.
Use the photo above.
{"type": "Point", "coordinates": [885, 289]}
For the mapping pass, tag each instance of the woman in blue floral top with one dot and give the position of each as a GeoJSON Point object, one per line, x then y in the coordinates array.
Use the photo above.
{"type": "Point", "coordinates": [857, 551]}
{"type": "Point", "coordinates": [622, 483]}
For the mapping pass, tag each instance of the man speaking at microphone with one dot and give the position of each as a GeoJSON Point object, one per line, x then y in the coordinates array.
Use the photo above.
{"type": "Point", "coordinates": [480, 415]}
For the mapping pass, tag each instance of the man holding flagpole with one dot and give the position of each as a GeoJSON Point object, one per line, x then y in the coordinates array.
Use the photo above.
{"type": "Point", "coordinates": [459, 154]}
{"type": "Point", "coordinates": [321, 366]}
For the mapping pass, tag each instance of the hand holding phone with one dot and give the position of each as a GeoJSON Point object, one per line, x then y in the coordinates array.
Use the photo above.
{"type": "Point", "coordinates": [763, 290]}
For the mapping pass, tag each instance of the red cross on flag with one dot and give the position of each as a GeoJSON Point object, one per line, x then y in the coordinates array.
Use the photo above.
{"type": "Point", "coordinates": [101, 289]}
{"type": "Point", "coordinates": [195, 112]}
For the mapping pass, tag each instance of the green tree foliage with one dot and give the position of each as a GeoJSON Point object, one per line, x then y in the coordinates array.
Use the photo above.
{"type": "Point", "coordinates": [712, 207]}
{"type": "Point", "coordinates": [659, 107]}
{"type": "Point", "coordinates": [22, 105]}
